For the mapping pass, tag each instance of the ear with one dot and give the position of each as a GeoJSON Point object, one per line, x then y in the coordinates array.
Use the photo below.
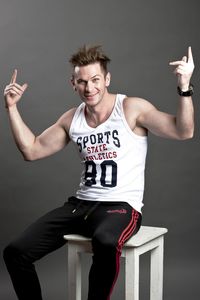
{"type": "Point", "coordinates": [73, 83]}
{"type": "Point", "coordinates": [108, 78]}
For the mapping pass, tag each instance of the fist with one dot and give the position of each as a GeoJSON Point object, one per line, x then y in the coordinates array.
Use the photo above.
{"type": "Point", "coordinates": [184, 70]}
{"type": "Point", "coordinates": [13, 91]}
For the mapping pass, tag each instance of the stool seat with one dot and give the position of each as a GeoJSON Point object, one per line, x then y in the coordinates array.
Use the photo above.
{"type": "Point", "coordinates": [144, 235]}
{"type": "Point", "coordinates": [147, 239]}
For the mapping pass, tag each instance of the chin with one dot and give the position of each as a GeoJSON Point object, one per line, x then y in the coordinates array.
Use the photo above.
{"type": "Point", "coordinates": [93, 100]}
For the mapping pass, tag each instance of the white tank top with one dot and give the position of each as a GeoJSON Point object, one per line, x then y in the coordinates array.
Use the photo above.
{"type": "Point", "coordinates": [113, 158]}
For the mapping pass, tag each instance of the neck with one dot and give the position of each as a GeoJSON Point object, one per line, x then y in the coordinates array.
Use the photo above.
{"type": "Point", "coordinates": [100, 113]}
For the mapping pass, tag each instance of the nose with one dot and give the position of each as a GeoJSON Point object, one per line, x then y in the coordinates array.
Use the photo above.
{"type": "Point", "coordinates": [89, 87]}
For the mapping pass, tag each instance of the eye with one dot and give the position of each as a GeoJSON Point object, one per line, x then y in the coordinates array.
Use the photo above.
{"type": "Point", "coordinates": [95, 80]}
{"type": "Point", "coordinates": [81, 82]}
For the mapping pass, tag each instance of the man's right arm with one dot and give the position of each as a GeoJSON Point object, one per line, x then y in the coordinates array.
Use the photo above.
{"type": "Point", "coordinates": [50, 141]}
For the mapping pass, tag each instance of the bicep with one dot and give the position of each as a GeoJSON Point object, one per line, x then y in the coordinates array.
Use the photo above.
{"type": "Point", "coordinates": [53, 139]}
{"type": "Point", "coordinates": [49, 142]}
{"type": "Point", "coordinates": [159, 123]}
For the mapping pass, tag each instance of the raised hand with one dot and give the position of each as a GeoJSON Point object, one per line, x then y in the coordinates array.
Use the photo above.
{"type": "Point", "coordinates": [184, 69]}
{"type": "Point", "coordinates": [13, 92]}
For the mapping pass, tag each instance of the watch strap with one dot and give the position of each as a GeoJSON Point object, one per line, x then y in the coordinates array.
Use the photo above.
{"type": "Point", "coordinates": [187, 93]}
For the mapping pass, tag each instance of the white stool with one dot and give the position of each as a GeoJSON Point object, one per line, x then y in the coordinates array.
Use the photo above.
{"type": "Point", "coordinates": [147, 239]}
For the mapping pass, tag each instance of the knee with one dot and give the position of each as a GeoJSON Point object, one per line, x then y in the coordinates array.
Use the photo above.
{"type": "Point", "coordinates": [104, 242]}
{"type": "Point", "coordinates": [11, 252]}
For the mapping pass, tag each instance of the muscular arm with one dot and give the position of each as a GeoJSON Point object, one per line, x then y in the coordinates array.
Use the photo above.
{"type": "Point", "coordinates": [34, 147]}
{"type": "Point", "coordinates": [180, 126]}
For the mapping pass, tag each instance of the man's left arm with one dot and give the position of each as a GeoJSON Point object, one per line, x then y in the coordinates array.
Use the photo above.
{"type": "Point", "coordinates": [185, 112]}
{"type": "Point", "coordinates": [180, 126]}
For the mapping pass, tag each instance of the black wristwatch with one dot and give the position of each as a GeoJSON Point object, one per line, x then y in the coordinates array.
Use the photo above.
{"type": "Point", "coordinates": [187, 93]}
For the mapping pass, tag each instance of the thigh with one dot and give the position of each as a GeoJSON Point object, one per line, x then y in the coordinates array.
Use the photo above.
{"type": "Point", "coordinates": [46, 234]}
{"type": "Point", "coordinates": [114, 223]}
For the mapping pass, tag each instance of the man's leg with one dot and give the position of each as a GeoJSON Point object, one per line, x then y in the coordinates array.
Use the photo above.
{"type": "Point", "coordinates": [114, 225]}
{"type": "Point", "coordinates": [41, 238]}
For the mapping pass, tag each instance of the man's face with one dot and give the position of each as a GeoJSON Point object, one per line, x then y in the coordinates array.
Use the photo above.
{"type": "Point", "coordinates": [91, 83]}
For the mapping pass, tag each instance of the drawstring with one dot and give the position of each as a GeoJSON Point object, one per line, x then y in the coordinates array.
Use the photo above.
{"type": "Point", "coordinates": [90, 210]}
{"type": "Point", "coordinates": [77, 207]}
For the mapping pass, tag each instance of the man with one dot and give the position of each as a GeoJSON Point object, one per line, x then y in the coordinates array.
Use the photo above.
{"type": "Point", "coordinates": [110, 132]}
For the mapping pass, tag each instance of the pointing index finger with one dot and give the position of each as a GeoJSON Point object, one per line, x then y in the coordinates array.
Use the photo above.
{"type": "Point", "coordinates": [14, 77]}
{"type": "Point", "coordinates": [190, 56]}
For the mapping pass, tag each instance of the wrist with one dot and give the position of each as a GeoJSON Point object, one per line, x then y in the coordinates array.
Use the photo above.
{"type": "Point", "coordinates": [11, 108]}
{"type": "Point", "coordinates": [185, 91]}
{"type": "Point", "coordinates": [184, 88]}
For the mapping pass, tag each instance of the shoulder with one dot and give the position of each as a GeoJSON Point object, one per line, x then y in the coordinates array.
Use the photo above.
{"type": "Point", "coordinates": [136, 104]}
{"type": "Point", "coordinates": [135, 109]}
{"type": "Point", "coordinates": [66, 119]}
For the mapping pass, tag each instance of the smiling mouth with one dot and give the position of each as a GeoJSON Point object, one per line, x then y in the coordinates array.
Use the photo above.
{"type": "Point", "coordinates": [90, 96]}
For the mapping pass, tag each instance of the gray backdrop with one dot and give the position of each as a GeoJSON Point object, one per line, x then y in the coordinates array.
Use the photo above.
{"type": "Point", "coordinates": [141, 36]}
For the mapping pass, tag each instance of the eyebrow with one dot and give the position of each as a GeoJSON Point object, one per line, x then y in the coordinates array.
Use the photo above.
{"type": "Point", "coordinates": [80, 79]}
{"type": "Point", "coordinates": [95, 76]}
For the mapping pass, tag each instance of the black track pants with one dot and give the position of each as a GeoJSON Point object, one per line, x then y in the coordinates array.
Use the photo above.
{"type": "Point", "coordinates": [109, 224]}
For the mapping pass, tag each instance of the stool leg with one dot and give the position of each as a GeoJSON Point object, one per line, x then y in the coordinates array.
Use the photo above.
{"type": "Point", "coordinates": [156, 284]}
{"type": "Point", "coordinates": [131, 274]}
{"type": "Point", "coordinates": [74, 272]}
